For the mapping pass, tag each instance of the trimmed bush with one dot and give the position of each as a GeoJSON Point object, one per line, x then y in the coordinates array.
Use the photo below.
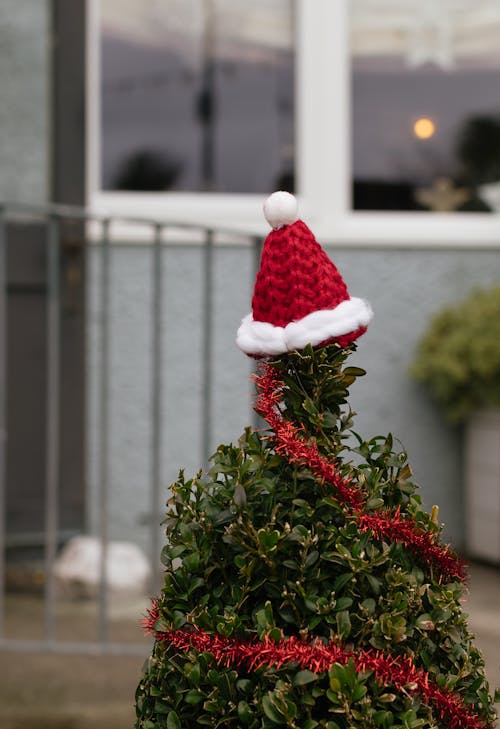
{"type": "Point", "coordinates": [305, 586]}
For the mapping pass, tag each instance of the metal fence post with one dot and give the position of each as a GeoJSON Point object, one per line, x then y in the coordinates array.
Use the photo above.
{"type": "Point", "coordinates": [207, 348]}
{"type": "Point", "coordinates": [104, 463]}
{"type": "Point", "coordinates": [156, 396]}
{"type": "Point", "coordinates": [3, 410]}
{"type": "Point", "coordinates": [257, 421]}
{"type": "Point", "coordinates": [53, 419]}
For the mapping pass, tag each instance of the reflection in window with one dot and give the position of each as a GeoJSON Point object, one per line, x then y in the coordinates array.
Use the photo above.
{"type": "Point", "coordinates": [425, 104]}
{"type": "Point", "coordinates": [197, 95]}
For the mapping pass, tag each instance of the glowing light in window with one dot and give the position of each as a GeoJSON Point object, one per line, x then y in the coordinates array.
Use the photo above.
{"type": "Point", "coordinates": [424, 128]}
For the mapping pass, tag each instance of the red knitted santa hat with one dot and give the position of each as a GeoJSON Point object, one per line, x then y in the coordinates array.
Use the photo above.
{"type": "Point", "coordinates": [299, 297]}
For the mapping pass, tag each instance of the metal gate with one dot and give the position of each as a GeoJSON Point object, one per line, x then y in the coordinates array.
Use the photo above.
{"type": "Point", "coordinates": [51, 222]}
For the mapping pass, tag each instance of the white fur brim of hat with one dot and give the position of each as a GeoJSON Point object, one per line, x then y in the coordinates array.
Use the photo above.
{"type": "Point", "coordinates": [265, 339]}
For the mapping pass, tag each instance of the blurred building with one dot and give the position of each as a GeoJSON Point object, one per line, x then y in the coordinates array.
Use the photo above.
{"type": "Point", "coordinates": [382, 115]}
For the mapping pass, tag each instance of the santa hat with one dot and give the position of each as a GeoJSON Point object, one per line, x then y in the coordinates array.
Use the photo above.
{"type": "Point", "coordinates": [299, 297]}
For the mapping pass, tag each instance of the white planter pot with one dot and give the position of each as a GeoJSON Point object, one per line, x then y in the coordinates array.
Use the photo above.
{"type": "Point", "coordinates": [482, 485]}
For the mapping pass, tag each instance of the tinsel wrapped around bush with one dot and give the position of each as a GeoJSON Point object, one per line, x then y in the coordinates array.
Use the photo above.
{"type": "Point", "coordinates": [305, 585]}
{"type": "Point", "coordinates": [285, 605]}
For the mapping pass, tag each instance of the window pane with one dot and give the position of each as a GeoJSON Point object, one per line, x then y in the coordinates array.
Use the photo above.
{"type": "Point", "coordinates": [425, 104]}
{"type": "Point", "coordinates": [197, 95]}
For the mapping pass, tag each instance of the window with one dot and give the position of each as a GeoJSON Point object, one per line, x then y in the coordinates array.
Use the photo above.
{"type": "Point", "coordinates": [196, 95]}
{"type": "Point", "coordinates": [299, 104]}
{"type": "Point", "coordinates": [425, 104]}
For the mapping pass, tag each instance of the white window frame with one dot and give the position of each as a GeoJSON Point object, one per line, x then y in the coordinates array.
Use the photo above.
{"type": "Point", "coordinates": [322, 156]}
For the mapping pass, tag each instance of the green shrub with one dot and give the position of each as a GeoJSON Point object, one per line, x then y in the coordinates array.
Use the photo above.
{"type": "Point", "coordinates": [458, 357]}
{"type": "Point", "coordinates": [260, 549]}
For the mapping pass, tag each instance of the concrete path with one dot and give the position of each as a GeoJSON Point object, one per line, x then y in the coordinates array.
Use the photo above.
{"type": "Point", "coordinates": [483, 606]}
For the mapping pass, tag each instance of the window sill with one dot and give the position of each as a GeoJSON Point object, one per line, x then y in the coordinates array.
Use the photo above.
{"type": "Point", "coordinates": [233, 214]}
{"type": "Point", "coordinates": [412, 230]}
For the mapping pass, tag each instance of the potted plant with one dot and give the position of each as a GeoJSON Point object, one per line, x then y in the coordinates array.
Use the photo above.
{"type": "Point", "coordinates": [458, 358]}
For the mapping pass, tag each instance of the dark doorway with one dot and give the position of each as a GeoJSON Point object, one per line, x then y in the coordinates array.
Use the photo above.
{"type": "Point", "coordinates": [27, 308]}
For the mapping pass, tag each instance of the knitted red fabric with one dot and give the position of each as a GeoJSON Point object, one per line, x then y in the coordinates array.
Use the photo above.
{"type": "Point", "coordinates": [344, 339]}
{"type": "Point", "coordinates": [296, 277]}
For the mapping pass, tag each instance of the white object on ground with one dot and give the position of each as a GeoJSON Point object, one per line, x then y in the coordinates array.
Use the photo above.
{"type": "Point", "coordinates": [77, 569]}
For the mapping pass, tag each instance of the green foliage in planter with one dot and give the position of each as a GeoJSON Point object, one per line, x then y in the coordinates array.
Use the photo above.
{"type": "Point", "coordinates": [258, 547]}
{"type": "Point", "coordinates": [458, 358]}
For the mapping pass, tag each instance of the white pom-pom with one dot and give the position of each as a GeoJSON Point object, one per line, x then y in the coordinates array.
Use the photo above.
{"type": "Point", "coordinates": [280, 209]}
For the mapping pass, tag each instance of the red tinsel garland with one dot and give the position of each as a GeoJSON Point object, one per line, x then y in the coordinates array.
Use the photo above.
{"type": "Point", "coordinates": [316, 656]}
{"type": "Point", "coordinates": [392, 526]}
{"type": "Point", "coordinates": [291, 444]}
{"type": "Point", "coordinates": [385, 525]}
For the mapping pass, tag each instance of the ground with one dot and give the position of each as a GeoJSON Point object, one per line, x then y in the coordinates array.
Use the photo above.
{"type": "Point", "coordinates": [50, 691]}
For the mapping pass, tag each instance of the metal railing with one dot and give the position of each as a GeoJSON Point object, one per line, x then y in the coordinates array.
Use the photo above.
{"type": "Point", "coordinates": [53, 217]}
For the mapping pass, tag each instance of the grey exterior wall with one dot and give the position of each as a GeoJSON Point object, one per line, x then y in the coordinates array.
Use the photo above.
{"type": "Point", "coordinates": [130, 395]}
{"type": "Point", "coordinates": [405, 288]}
{"type": "Point", "coordinates": [24, 109]}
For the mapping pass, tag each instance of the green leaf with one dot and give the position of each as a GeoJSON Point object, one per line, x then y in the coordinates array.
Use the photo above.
{"type": "Point", "coordinates": [304, 677]}
{"type": "Point", "coordinates": [193, 697]}
{"type": "Point", "coordinates": [311, 559]}
{"type": "Point", "coordinates": [309, 406]}
{"type": "Point", "coordinates": [424, 622]}
{"type": "Point", "coordinates": [301, 531]}
{"type": "Point", "coordinates": [374, 503]}
{"type": "Point", "coordinates": [268, 540]}
{"type": "Point", "coordinates": [359, 692]}
{"type": "Point", "coordinates": [161, 707]}
{"type": "Point", "coordinates": [176, 551]}
{"type": "Point", "coordinates": [375, 583]}
{"type": "Point", "coordinates": [244, 685]}
{"type": "Point", "coordinates": [343, 603]}
{"type": "Point", "coordinates": [382, 718]}
{"type": "Point", "coordinates": [369, 605]}
{"type": "Point", "coordinates": [342, 580]}
{"type": "Point", "coordinates": [329, 419]}
{"type": "Point", "coordinates": [387, 698]}
{"type": "Point", "coordinates": [179, 619]}
{"type": "Point", "coordinates": [353, 372]}
{"type": "Point", "coordinates": [240, 496]}
{"type": "Point", "coordinates": [332, 557]}
{"type": "Point", "coordinates": [244, 713]}
{"type": "Point", "coordinates": [270, 711]}
{"type": "Point", "coordinates": [173, 721]}
{"type": "Point", "coordinates": [192, 561]}
{"type": "Point", "coordinates": [343, 624]}
{"type": "Point", "coordinates": [275, 634]}
{"type": "Point", "coordinates": [291, 709]}
{"type": "Point", "coordinates": [195, 674]}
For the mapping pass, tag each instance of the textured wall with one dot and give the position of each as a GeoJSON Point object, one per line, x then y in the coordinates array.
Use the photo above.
{"type": "Point", "coordinates": [24, 107]}
{"type": "Point", "coordinates": [130, 395]}
{"type": "Point", "coordinates": [404, 286]}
